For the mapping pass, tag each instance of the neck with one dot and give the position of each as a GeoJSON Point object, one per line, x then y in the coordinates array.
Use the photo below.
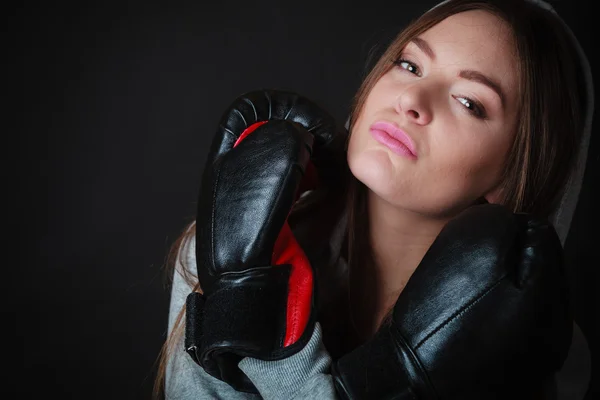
{"type": "Point", "coordinates": [399, 239]}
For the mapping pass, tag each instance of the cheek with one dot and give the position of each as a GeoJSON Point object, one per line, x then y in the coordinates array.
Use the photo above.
{"type": "Point", "coordinates": [356, 151]}
{"type": "Point", "coordinates": [380, 98]}
{"type": "Point", "coordinates": [360, 143]}
{"type": "Point", "coordinates": [369, 163]}
{"type": "Point", "coordinates": [458, 170]}
{"type": "Point", "coordinates": [470, 166]}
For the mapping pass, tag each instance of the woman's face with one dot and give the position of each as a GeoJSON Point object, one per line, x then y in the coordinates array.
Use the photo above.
{"type": "Point", "coordinates": [453, 95]}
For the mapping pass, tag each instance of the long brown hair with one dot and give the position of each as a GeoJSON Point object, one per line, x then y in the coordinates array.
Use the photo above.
{"type": "Point", "coordinates": [536, 169]}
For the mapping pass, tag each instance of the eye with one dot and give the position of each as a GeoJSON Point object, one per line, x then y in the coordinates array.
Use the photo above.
{"type": "Point", "coordinates": [408, 65]}
{"type": "Point", "coordinates": [473, 106]}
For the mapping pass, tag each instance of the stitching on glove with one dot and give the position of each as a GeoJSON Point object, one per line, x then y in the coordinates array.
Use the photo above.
{"type": "Point", "coordinates": [212, 220]}
{"type": "Point", "coordinates": [460, 311]}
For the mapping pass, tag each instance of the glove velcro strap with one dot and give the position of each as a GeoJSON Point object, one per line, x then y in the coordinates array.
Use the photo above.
{"type": "Point", "coordinates": [382, 368]}
{"type": "Point", "coordinates": [244, 316]}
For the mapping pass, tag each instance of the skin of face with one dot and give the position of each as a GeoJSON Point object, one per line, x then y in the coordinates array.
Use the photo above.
{"type": "Point", "coordinates": [461, 128]}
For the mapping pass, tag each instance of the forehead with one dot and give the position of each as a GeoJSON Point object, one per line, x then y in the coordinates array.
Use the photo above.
{"type": "Point", "coordinates": [472, 29]}
{"type": "Point", "coordinates": [476, 40]}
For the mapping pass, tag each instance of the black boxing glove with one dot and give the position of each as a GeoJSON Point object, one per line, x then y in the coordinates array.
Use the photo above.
{"type": "Point", "coordinates": [484, 316]}
{"type": "Point", "coordinates": [258, 285]}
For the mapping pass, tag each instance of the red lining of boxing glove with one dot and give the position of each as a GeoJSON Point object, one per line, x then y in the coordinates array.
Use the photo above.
{"type": "Point", "coordinates": [287, 251]}
{"type": "Point", "coordinates": [248, 131]}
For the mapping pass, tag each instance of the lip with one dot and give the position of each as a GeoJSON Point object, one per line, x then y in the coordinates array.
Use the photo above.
{"type": "Point", "coordinates": [390, 135]}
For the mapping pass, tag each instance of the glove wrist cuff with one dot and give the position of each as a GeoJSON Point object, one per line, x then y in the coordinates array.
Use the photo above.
{"type": "Point", "coordinates": [379, 367]}
{"type": "Point", "coordinates": [243, 316]}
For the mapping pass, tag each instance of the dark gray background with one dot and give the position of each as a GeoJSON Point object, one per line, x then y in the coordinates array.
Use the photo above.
{"type": "Point", "coordinates": [117, 103]}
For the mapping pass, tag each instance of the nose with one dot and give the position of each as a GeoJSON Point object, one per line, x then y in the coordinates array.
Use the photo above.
{"type": "Point", "coordinates": [414, 104]}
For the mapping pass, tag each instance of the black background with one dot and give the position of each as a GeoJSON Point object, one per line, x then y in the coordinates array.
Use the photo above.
{"type": "Point", "coordinates": [116, 105]}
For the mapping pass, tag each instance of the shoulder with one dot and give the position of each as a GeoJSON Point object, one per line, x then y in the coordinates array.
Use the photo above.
{"type": "Point", "coordinates": [185, 250]}
{"type": "Point", "coordinates": [183, 269]}
{"type": "Point", "coordinates": [183, 257]}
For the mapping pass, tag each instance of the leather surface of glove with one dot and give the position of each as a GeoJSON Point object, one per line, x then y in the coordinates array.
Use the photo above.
{"type": "Point", "coordinates": [258, 285]}
{"type": "Point", "coordinates": [484, 316]}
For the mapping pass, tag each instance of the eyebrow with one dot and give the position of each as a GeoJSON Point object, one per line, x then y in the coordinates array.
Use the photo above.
{"type": "Point", "coordinates": [424, 46]}
{"type": "Point", "coordinates": [468, 74]}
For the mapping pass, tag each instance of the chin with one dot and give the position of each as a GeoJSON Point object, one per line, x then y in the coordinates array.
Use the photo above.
{"type": "Point", "coordinates": [375, 170]}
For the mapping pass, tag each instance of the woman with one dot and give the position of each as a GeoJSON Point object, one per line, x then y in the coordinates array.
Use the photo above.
{"type": "Point", "coordinates": [500, 135]}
